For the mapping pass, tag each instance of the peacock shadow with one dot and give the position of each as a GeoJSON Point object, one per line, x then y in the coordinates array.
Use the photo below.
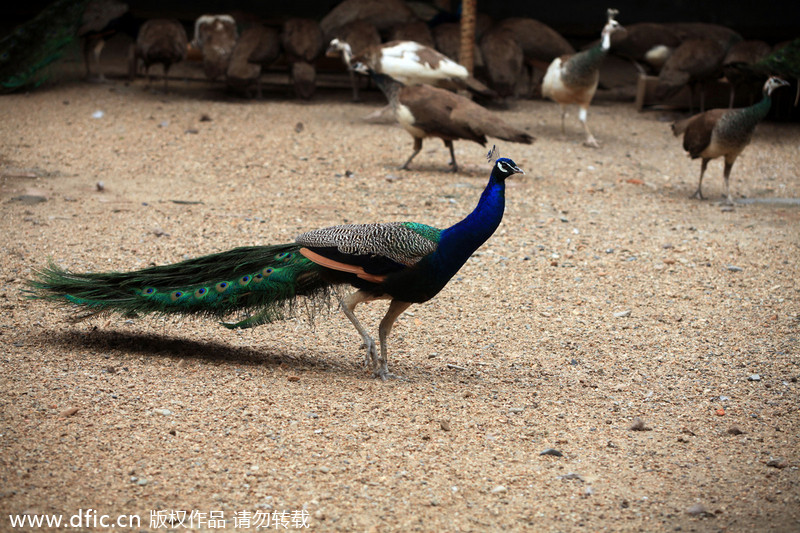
{"type": "Point", "coordinates": [123, 343]}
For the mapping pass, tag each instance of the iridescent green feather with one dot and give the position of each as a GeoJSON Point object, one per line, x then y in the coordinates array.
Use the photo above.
{"type": "Point", "coordinates": [261, 282]}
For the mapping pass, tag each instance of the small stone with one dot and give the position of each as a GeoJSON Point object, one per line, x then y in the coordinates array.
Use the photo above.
{"type": "Point", "coordinates": [98, 114]}
{"type": "Point", "coordinates": [30, 199]}
{"type": "Point", "coordinates": [622, 314]}
{"type": "Point", "coordinates": [100, 186]}
{"type": "Point", "coordinates": [163, 412]}
{"type": "Point", "coordinates": [697, 510]}
{"type": "Point", "coordinates": [639, 425]}
{"type": "Point", "coordinates": [734, 268]}
{"type": "Point", "coordinates": [192, 131]}
{"type": "Point", "coordinates": [571, 476]}
{"type": "Point", "coordinates": [142, 482]}
{"type": "Point", "coordinates": [754, 377]}
{"type": "Point", "coordinates": [777, 463]}
{"type": "Point", "coordinates": [298, 127]}
{"type": "Point", "coordinates": [445, 425]}
{"type": "Point", "coordinates": [293, 378]}
{"type": "Point", "coordinates": [205, 118]}
{"type": "Point", "coordinates": [551, 451]}
{"type": "Point", "coordinates": [69, 412]}
{"type": "Point", "coordinates": [499, 489]}
{"type": "Point", "coordinates": [734, 430]}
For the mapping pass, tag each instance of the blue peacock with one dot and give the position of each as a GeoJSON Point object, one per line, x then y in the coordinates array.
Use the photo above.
{"type": "Point", "coordinates": [404, 262]}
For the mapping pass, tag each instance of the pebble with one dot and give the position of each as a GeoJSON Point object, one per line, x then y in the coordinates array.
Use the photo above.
{"type": "Point", "coordinates": [734, 268]}
{"type": "Point", "coordinates": [777, 463]}
{"type": "Point", "coordinates": [622, 314]}
{"type": "Point", "coordinates": [30, 199]}
{"type": "Point", "coordinates": [697, 510]}
{"type": "Point", "coordinates": [551, 451]}
{"type": "Point", "coordinates": [164, 412]}
{"type": "Point", "coordinates": [499, 489]}
{"type": "Point", "coordinates": [68, 412]}
{"type": "Point", "coordinates": [142, 482]}
{"type": "Point", "coordinates": [754, 377]}
{"type": "Point", "coordinates": [638, 425]}
{"type": "Point", "coordinates": [571, 476]}
{"type": "Point", "coordinates": [445, 425]}
{"type": "Point", "coordinates": [734, 430]}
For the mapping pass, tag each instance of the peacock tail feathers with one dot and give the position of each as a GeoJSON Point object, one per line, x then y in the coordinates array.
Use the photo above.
{"type": "Point", "coordinates": [35, 44]}
{"type": "Point", "coordinates": [259, 283]}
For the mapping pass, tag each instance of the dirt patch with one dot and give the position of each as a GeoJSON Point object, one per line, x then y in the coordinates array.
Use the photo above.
{"type": "Point", "coordinates": [649, 339]}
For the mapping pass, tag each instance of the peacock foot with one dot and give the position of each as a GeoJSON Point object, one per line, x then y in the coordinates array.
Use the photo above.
{"type": "Point", "coordinates": [371, 357]}
{"type": "Point", "coordinates": [698, 194]}
{"type": "Point", "coordinates": [591, 142]}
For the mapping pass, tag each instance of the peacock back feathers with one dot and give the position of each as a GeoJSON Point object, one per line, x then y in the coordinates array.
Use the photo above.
{"type": "Point", "coordinates": [261, 282]}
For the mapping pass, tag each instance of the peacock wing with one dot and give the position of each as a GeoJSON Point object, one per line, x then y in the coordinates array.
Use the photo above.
{"type": "Point", "coordinates": [370, 250]}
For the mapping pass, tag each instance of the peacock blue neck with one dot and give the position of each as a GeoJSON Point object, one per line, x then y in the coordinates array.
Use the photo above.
{"type": "Point", "coordinates": [588, 60]}
{"type": "Point", "coordinates": [458, 242]}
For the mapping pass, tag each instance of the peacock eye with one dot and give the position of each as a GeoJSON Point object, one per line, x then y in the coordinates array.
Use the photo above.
{"type": "Point", "coordinates": [267, 271]}
{"type": "Point", "coordinates": [221, 286]}
{"type": "Point", "coordinates": [199, 293]}
{"type": "Point", "coordinates": [149, 291]}
{"type": "Point", "coordinates": [244, 280]}
{"type": "Point", "coordinates": [176, 295]}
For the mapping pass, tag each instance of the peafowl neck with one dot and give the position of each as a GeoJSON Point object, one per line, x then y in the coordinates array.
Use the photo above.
{"type": "Point", "coordinates": [458, 242]}
{"type": "Point", "coordinates": [388, 85]}
{"type": "Point", "coordinates": [745, 119]}
{"type": "Point", "coordinates": [585, 64]}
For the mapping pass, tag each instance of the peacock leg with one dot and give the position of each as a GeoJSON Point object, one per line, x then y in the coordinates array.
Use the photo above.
{"type": "Point", "coordinates": [727, 175]}
{"type": "Point", "coordinates": [417, 148]}
{"type": "Point", "coordinates": [449, 144]}
{"type": "Point", "coordinates": [348, 306]}
{"type": "Point", "coordinates": [396, 308]}
{"type": "Point", "coordinates": [699, 193]}
{"type": "Point", "coordinates": [563, 117]}
{"type": "Point", "coordinates": [590, 140]}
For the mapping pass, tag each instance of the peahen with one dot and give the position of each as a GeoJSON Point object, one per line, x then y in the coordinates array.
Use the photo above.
{"type": "Point", "coordinates": [405, 262]}
{"type": "Point", "coordinates": [723, 132]}
{"type": "Point", "coordinates": [573, 79]}
{"type": "Point", "coordinates": [425, 111]}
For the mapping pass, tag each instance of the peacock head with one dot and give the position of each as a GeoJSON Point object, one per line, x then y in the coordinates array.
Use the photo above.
{"type": "Point", "coordinates": [504, 167]}
{"type": "Point", "coordinates": [337, 47]}
{"type": "Point", "coordinates": [773, 83]}
{"type": "Point", "coordinates": [611, 27]}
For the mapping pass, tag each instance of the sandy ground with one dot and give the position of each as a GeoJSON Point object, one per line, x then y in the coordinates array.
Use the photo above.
{"type": "Point", "coordinates": [605, 295]}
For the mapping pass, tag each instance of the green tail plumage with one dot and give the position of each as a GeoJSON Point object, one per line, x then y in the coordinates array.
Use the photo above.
{"type": "Point", "coordinates": [260, 282]}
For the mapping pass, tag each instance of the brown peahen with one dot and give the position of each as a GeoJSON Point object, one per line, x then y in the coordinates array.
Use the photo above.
{"type": "Point", "coordinates": [404, 262]}
{"type": "Point", "coordinates": [573, 79]}
{"type": "Point", "coordinates": [723, 133]}
{"type": "Point", "coordinates": [161, 41]}
{"type": "Point", "coordinates": [215, 37]}
{"type": "Point", "coordinates": [425, 111]}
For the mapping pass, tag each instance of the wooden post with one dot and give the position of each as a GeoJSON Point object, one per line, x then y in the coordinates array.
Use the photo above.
{"type": "Point", "coordinates": [466, 55]}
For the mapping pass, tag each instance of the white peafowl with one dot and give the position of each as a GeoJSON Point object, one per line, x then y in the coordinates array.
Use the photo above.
{"type": "Point", "coordinates": [573, 79]}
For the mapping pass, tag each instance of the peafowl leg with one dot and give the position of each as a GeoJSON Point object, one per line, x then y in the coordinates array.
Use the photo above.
{"type": "Point", "coordinates": [563, 118]}
{"type": "Point", "coordinates": [396, 308]}
{"type": "Point", "coordinates": [453, 163]}
{"type": "Point", "coordinates": [348, 306]}
{"type": "Point", "coordinates": [699, 193]}
{"type": "Point", "coordinates": [727, 175]}
{"type": "Point", "coordinates": [590, 140]}
{"type": "Point", "coordinates": [417, 148]}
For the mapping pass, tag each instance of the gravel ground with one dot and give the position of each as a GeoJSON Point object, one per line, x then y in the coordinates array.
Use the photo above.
{"type": "Point", "coordinates": [650, 339]}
